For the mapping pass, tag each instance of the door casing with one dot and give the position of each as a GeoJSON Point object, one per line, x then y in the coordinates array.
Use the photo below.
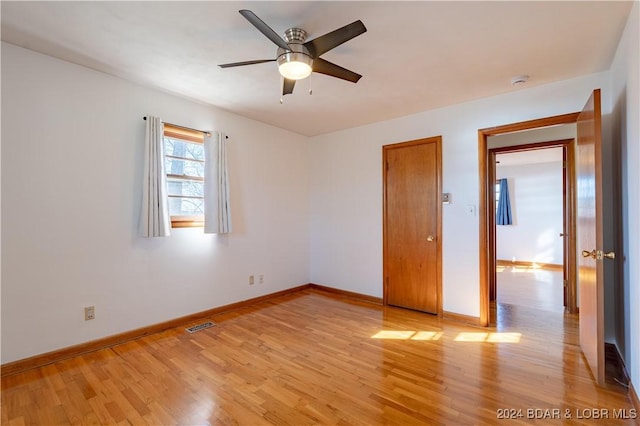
{"type": "Point", "coordinates": [487, 213]}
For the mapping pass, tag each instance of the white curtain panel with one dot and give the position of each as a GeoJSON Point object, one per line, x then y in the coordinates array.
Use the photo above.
{"type": "Point", "coordinates": [217, 208]}
{"type": "Point", "coordinates": [154, 218]}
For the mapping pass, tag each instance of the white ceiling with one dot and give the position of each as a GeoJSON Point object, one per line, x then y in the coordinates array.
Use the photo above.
{"type": "Point", "coordinates": [415, 56]}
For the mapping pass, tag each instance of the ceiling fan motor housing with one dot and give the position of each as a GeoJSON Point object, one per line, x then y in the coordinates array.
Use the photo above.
{"type": "Point", "coordinates": [295, 38]}
{"type": "Point", "coordinates": [295, 35]}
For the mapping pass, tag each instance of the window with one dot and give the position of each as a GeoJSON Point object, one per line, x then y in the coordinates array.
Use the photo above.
{"type": "Point", "coordinates": [497, 193]}
{"type": "Point", "coordinates": [184, 166]}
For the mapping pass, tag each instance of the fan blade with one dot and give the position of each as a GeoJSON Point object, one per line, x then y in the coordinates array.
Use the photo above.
{"type": "Point", "coordinates": [287, 87]}
{"type": "Point", "coordinates": [325, 67]}
{"type": "Point", "coordinates": [264, 28]}
{"type": "Point", "coordinates": [239, 64]}
{"type": "Point", "coordinates": [326, 42]}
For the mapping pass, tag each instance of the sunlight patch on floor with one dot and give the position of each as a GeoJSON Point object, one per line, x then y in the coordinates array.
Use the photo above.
{"type": "Point", "coordinates": [489, 337]}
{"type": "Point", "coordinates": [436, 335]}
{"type": "Point", "coordinates": [407, 335]}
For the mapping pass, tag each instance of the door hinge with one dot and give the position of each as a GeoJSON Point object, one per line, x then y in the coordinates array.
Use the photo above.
{"type": "Point", "coordinates": [564, 283]}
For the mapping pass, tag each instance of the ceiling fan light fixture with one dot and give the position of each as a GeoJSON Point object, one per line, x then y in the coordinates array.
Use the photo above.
{"type": "Point", "coordinates": [294, 65]}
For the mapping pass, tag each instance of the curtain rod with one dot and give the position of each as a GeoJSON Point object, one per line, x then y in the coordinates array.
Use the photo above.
{"type": "Point", "coordinates": [189, 128]}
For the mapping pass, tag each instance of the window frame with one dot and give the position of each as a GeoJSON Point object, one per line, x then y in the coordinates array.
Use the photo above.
{"type": "Point", "coordinates": [188, 136]}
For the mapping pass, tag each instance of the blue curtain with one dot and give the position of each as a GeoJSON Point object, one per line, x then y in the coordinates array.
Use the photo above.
{"type": "Point", "coordinates": [503, 215]}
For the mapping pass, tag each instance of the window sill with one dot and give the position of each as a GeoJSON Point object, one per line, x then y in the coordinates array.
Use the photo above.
{"type": "Point", "coordinates": [187, 222]}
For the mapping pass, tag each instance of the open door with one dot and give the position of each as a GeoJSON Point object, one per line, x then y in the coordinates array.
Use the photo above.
{"type": "Point", "coordinates": [590, 235]}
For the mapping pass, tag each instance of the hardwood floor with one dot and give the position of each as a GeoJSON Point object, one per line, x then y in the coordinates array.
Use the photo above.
{"type": "Point", "coordinates": [538, 288]}
{"type": "Point", "coordinates": [316, 358]}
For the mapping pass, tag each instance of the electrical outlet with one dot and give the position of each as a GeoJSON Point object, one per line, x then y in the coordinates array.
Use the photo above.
{"type": "Point", "coordinates": [250, 279]}
{"type": "Point", "coordinates": [89, 313]}
{"type": "Point", "coordinates": [261, 279]}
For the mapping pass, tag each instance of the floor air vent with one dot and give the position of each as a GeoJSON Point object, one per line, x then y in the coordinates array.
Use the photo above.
{"type": "Point", "coordinates": [200, 326]}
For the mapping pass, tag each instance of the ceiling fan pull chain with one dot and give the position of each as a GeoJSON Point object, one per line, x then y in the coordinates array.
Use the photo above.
{"type": "Point", "coordinates": [281, 89]}
{"type": "Point", "coordinates": [310, 90]}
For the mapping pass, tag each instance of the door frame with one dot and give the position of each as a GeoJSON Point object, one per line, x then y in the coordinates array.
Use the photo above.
{"type": "Point", "coordinates": [438, 141]}
{"type": "Point", "coordinates": [568, 215]}
{"type": "Point", "coordinates": [486, 181]}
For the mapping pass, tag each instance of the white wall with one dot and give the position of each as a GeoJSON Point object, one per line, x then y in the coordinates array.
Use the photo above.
{"type": "Point", "coordinates": [346, 187]}
{"type": "Point", "coordinates": [535, 191]}
{"type": "Point", "coordinates": [71, 167]}
{"type": "Point", "coordinates": [625, 94]}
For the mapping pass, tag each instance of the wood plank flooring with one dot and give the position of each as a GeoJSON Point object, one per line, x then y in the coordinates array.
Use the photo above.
{"type": "Point", "coordinates": [539, 288]}
{"type": "Point", "coordinates": [316, 358]}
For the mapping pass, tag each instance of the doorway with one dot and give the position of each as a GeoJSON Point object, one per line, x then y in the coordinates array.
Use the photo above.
{"type": "Point", "coordinates": [487, 179]}
{"type": "Point", "coordinates": [534, 235]}
{"type": "Point", "coordinates": [412, 225]}
{"type": "Point", "coordinates": [588, 223]}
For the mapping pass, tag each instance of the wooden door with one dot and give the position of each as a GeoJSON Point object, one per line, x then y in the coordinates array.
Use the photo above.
{"type": "Point", "coordinates": [412, 225]}
{"type": "Point", "coordinates": [590, 235]}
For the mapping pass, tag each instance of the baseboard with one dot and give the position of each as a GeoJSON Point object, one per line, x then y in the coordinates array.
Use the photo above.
{"type": "Point", "coordinates": [464, 319]}
{"type": "Point", "coordinates": [346, 294]}
{"type": "Point", "coordinates": [525, 264]}
{"type": "Point", "coordinates": [115, 339]}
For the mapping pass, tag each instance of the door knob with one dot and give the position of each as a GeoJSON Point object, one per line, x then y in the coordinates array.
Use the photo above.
{"type": "Point", "coordinates": [610, 255]}
{"type": "Point", "coordinates": [431, 238]}
{"type": "Point", "coordinates": [598, 254]}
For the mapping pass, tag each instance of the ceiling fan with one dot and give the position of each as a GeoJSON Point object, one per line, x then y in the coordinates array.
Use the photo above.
{"type": "Point", "coordinates": [298, 58]}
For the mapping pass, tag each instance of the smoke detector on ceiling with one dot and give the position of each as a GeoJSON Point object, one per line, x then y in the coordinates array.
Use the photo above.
{"type": "Point", "coordinates": [519, 79]}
